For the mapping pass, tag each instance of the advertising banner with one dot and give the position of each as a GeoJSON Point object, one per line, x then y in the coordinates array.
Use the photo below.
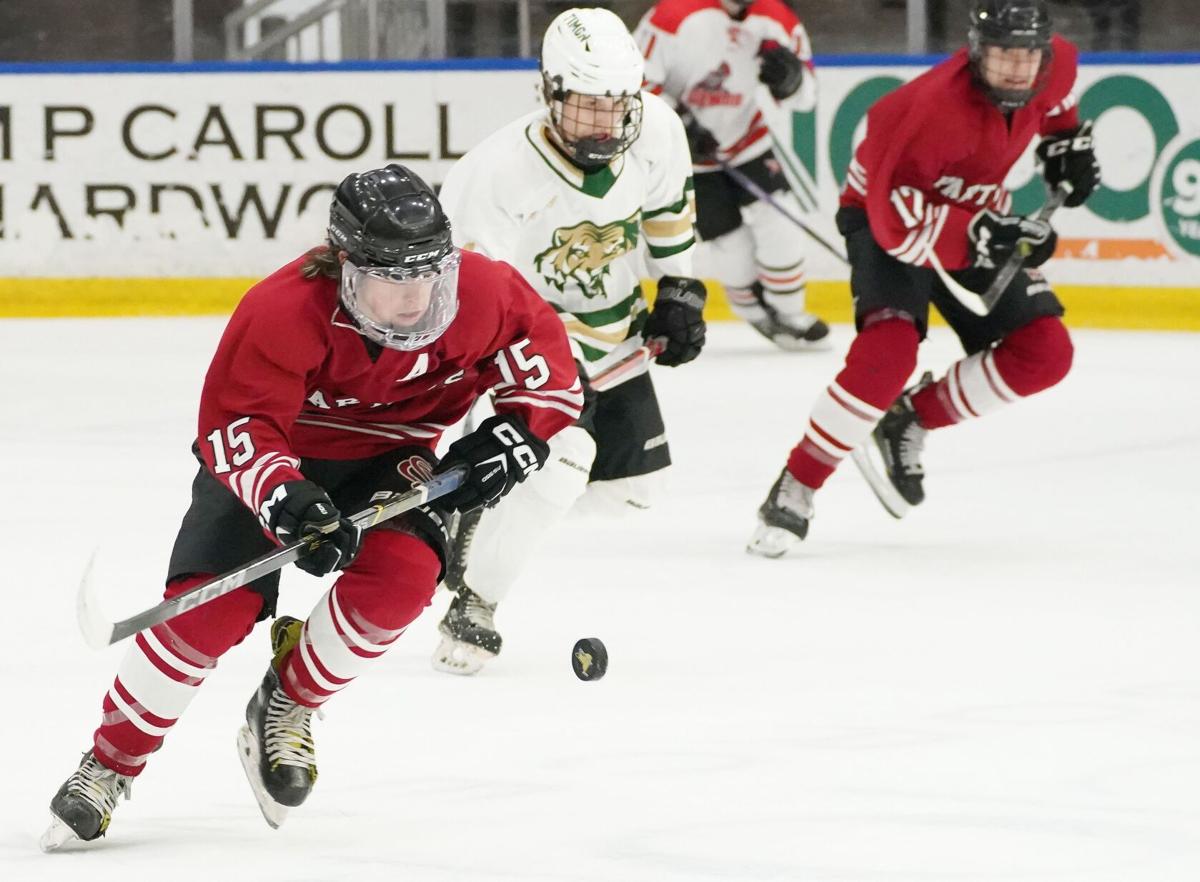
{"type": "Point", "coordinates": [122, 190]}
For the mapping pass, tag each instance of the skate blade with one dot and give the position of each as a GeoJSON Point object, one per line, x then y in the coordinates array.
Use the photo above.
{"type": "Point", "coordinates": [877, 480]}
{"type": "Point", "coordinates": [772, 542]}
{"type": "Point", "coordinates": [57, 835]}
{"type": "Point", "coordinates": [456, 657]}
{"type": "Point", "coordinates": [274, 813]}
{"type": "Point", "coordinates": [799, 344]}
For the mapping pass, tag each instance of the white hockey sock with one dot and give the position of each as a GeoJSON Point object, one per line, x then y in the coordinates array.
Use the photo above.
{"type": "Point", "coordinates": [783, 288]}
{"type": "Point", "coordinates": [509, 535]}
{"type": "Point", "coordinates": [745, 304]}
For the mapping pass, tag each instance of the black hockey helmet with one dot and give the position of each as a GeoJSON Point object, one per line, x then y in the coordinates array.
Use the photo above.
{"type": "Point", "coordinates": [1010, 24]}
{"type": "Point", "coordinates": [400, 279]}
{"type": "Point", "coordinates": [389, 217]}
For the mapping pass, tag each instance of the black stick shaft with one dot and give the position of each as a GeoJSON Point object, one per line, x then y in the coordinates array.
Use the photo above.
{"type": "Point", "coordinates": [268, 563]}
{"type": "Point", "coordinates": [1016, 260]}
{"type": "Point", "coordinates": [759, 193]}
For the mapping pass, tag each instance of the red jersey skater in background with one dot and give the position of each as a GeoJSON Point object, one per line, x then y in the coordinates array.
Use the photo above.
{"type": "Point", "coordinates": [334, 379]}
{"type": "Point", "coordinates": [924, 196]}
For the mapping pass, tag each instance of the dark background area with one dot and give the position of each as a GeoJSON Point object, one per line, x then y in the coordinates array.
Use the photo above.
{"type": "Point", "coordinates": [141, 30]}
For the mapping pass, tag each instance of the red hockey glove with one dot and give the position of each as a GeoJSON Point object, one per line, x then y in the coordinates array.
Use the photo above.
{"type": "Point", "coordinates": [994, 237]}
{"type": "Point", "coordinates": [677, 319]}
{"type": "Point", "coordinates": [781, 70]}
{"type": "Point", "coordinates": [498, 455]}
{"type": "Point", "coordinates": [301, 509]}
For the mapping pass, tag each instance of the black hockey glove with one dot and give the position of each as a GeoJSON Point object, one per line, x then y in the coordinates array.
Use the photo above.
{"type": "Point", "coordinates": [781, 70]}
{"type": "Point", "coordinates": [994, 237]}
{"type": "Point", "coordinates": [498, 455]}
{"type": "Point", "coordinates": [1068, 156]}
{"type": "Point", "coordinates": [677, 319]}
{"type": "Point", "coordinates": [702, 143]}
{"type": "Point", "coordinates": [301, 509]}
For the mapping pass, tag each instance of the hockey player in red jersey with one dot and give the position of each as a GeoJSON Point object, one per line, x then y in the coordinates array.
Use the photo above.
{"type": "Point", "coordinates": [924, 197]}
{"type": "Point", "coordinates": [726, 65]}
{"type": "Point", "coordinates": [334, 379]}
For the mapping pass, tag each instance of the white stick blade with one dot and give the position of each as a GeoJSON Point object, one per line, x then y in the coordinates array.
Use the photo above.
{"type": "Point", "coordinates": [97, 629]}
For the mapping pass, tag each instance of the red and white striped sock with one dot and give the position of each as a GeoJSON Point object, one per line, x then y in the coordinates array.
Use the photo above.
{"type": "Point", "coordinates": [162, 671]}
{"type": "Point", "coordinates": [880, 361]}
{"type": "Point", "coordinates": [391, 581]}
{"type": "Point", "coordinates": [1029, 360]}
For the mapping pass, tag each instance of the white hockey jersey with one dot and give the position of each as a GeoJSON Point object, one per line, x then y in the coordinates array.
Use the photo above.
{"type": "Point", "coordinates": [703, 60]}
{"type": "Point", "coordinates": [583, 241]}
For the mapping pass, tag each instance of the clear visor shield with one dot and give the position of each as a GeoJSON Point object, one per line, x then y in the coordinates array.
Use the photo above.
{"type": "Point", "coordinates": [597, 128]}
{"type": "Point", "coordinates": [398, 308]}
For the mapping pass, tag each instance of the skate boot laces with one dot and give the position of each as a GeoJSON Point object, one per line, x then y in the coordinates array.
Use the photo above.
{"type": "Point", "coordinates": [477, 610]}
{"type": "Point", "coordinates": [911, 443]}
{"type": "Point", "coordinates": [794, 497]}
{"type": "Point", "coordinates": [288, 732]}
{"type": "Point", "coordinates": [99, 786]}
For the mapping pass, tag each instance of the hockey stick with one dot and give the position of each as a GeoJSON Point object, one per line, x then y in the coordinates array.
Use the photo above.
{"type": "Point", "coordinates": [983, 304]}
{"type": "Point", "coordinates": [962, 294]}
{"type": "Point", "coordinates": [744, 181]}
{"type": "Point", "coordinates": [100, 632]}
{"type": "Point", "coordinates": [621, 370]}
{"type": "Point", "coordinates": [1017, 259]}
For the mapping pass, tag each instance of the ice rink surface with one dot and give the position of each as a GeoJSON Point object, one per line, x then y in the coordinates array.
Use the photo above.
{"type": "Point", "coordinates": [1004, 686]}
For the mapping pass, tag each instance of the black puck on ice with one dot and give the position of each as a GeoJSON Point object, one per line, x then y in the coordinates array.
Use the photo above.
{"type": "Point", "coordinates": [589, 658]}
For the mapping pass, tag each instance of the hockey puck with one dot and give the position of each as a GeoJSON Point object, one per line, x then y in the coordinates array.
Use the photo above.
{"type": "Point", "coordinates": [589, 658]}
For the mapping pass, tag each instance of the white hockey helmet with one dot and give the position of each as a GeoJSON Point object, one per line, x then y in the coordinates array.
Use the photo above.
{"type": "Point", "coordinates": [592, 74]}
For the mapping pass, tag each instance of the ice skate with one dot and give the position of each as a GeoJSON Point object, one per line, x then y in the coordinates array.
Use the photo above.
{"type": "Point", "coordinates": [276, 744]}
{"type": "Point", "coordinates": [783, 518]}
{"type": "Point", "coordinates": [469, 638]}
{"type": "Point", "coordinates": [899, 438]}
{"type": "Point", "coordinates": [83, 806]}
{"type": "Point", "coordinates": [797, 332]}
{"type": "Point", "coordinates": [793, 333]}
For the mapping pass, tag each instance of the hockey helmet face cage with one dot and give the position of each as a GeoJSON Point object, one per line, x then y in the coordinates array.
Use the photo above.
{"type": "Point", "coordinates": [591, 82]}
{"type": "Point", "coordinates": [400, 279]}
{"type": "Point", "coordinates": [1010, 50]}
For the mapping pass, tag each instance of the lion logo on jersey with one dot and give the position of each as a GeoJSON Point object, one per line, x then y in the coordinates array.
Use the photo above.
{"type": "Point", "coordinates": [580, 255]}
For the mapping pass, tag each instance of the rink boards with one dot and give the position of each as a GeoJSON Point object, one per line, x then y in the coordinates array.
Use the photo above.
{"type": "Point", "coordinates": [163, 190]}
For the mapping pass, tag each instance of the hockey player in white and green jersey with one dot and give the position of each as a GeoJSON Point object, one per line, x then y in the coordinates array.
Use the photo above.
{"type": "Point", "coordinates": [585, 197]}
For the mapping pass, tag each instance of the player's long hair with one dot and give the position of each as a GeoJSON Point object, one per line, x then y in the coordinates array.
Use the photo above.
{"type": "Point", "coordinates": [321, 261]}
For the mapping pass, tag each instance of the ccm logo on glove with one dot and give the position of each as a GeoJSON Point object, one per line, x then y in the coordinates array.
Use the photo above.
{"type": "Point", "coordinates": [498, 455]}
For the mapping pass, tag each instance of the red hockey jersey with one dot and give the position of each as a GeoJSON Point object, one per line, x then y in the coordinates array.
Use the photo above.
{"type": "Point", "coordinates": [937, 151]}
{"type": "Point", "coordinates": [292, 377]}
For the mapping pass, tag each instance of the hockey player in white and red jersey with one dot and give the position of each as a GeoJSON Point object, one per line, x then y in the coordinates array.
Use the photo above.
{"type": "Point", "coordinates": [719, 62]}
{"type": "Point", "coordinates": [579, 196]}
{"type": "Point", "coordinates": [329, 389]}
{"type": "Point", "coordinates": [924, 202]}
